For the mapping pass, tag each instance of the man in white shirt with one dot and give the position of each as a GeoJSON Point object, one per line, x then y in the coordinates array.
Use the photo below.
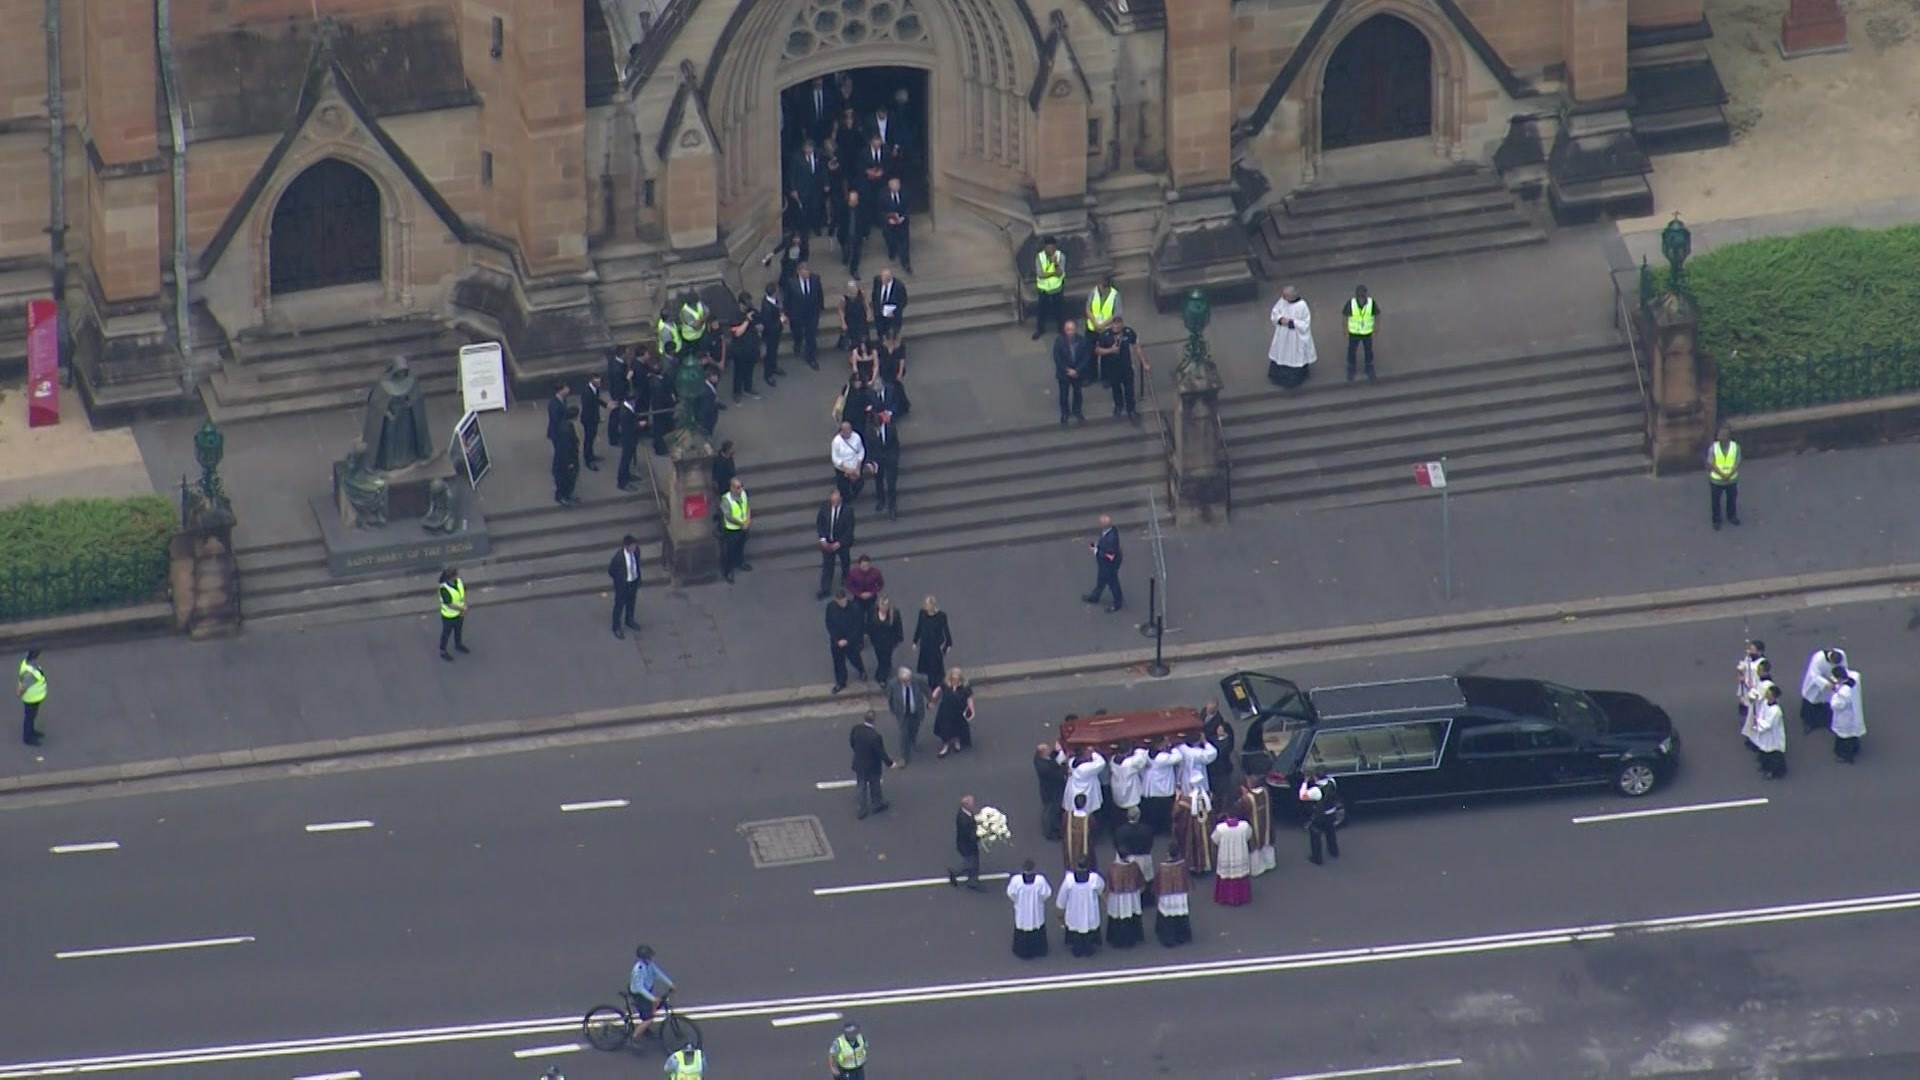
{"type": "Point", "coordinates": [1290, 356]}
{"type": "Point", "coordinates": [849, 453]}
{"type": "Point", "coordinates": [1083, 779]}
{"type": "Point", "coordinates": [1079, 900]}
{"type": "Point", "coordinates": [1163, 783]}
{"type": "Point", "coordinates": [1126, 776]}
{"type": "Point", "coordinates": [1194, 759]}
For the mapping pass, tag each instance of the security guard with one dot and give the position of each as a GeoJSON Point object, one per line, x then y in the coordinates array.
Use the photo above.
{"type": "Point", "coordinates": [667, 333]}
{"type": "Point", "coordinates": [1361, 314]}
{"type": "Point", "coordinates": [1321, 798]}
{"type": "Point", "coordinates": [1049, 279]}
{"type": "Point", "coordinates": [453, 612]}
{"type": "Point", "coordinates": [736, 517]}
{"type": "Point", "coordinates": [687, 1063]}
{"type": "Point", "coordinates": [848, 1054]}
{"type": "Point", "coordinates": [1723, 475]}
{"type": "Point", "coordinates": [32, 689]}
{"type": "Point", "coordinates": [694, 320]}
{"type": "Point", "coordinates": [1103, 306]}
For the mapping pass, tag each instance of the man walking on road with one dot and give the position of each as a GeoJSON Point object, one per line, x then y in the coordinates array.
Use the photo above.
{"type": "Point", "coordinates": [966, 841]}
{"type": "Point", "coordinates": [1362, 314]}
{"type": "Point", "coordinates": [453, 612]}
{"type": "Point", "coordinates": [624, 569]}
{"type": "Point", "coordinates": [870, 759]}
{"type": "Point", "coordinates": [907, 700]}
{"type": "Point", "coordinates": [1723, 475]}
{"type": "Point", "coordinates": [844, 628]}
{"type": "Point", "coordinates": [32, 689]}
{"type": "Point", "coordinates": [1106, 564]}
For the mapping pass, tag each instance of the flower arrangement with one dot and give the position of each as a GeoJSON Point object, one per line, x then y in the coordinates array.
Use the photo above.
{"type": "Point", "coordinates": [990, 826]}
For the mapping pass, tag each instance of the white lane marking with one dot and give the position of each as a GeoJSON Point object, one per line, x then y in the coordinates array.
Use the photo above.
{"type": "Point", "coordinates": [805, 1018]}
{"type": "Point", "coordinates": [78, 849]}
{"type": "Point", "coordinates": [340, 826]}
{"type": "Point", "coordinates": [989, 988]}
{"type": "Point", "coordinates": [1379, 1070]}
{"type": "Point", "coordinates": [350, 1074]}
{"type": "Point", "coordinates": [833, 785]}
{"type": "Point", "coordinates": [164, 946]}
{"type": "Point", "coordinates": [548, 1051]}
{"type": "Point", "coordinates": [597, 804]}
{"type": "Point", "coordinates": [1664, 811]}
{"type": "Point", "coordinates": [888, 886]}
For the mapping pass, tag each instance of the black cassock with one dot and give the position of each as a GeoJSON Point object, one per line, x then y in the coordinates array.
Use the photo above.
{"type": "Point", "coordinates": [394, 425]}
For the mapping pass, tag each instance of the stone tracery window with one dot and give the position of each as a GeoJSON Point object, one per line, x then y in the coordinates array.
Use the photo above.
{"type": "Point", "coordinates": [832, 24]}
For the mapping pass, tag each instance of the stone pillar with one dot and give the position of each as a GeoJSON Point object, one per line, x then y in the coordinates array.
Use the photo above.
{"type": "Point", "coordinates": [1597, 166]}
{"type": "Point", "coordinates": [546, 43]}
{"type": "Point", "coordinates": [1595, 46]}
{"type": "Point", "coordinates": [1811, 27]}
{"type": "Point", "coordinates": [1200, 92]}
{"type": "Point", "coordinates": [205, 576]}
{"type": "Point", "coordinates": [692, 195]}
{"type": "Point", "coordinates": [693, 549]}
{"type": "Point", "coordinates": [1060, 173]}
{"type": "Point", "coordinates": [1682, 388]}
{"type": "Point", "coordinates": [1199, 466]}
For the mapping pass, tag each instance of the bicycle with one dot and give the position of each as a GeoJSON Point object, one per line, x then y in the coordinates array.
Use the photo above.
{"type": "Point", "coordinates": [610, 1027]}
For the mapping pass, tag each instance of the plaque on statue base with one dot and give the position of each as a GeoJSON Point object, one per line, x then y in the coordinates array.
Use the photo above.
{"type": "Point", "coordinates": [404, 544]}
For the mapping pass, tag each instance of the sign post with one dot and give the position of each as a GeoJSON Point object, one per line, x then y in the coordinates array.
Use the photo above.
{"type": "Point", "coordinates": [483, 378]}
{"type": "Point", "coordinates": [1156, 625]}
{"type": "Point", "coordinates": [1433, 474]}
{"type": "Point", "coordinates": [470, 450]}
{"type": "Point", "coordinates": [43, 363]}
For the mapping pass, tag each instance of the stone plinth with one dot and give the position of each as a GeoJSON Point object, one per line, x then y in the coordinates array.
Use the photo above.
{"type": "Point", "coordinates": [1682, 419]}
{"type": "Point", "coordinates": [1200, 474]}
{"type": "Point", "coordinates": [1811, 27]}
{"type": "Point", "coordinates": [693, 549]}
{"type": "Point", "coordinates": [205, 577]}
{"type": "Point", "coordinates": [403, 543]}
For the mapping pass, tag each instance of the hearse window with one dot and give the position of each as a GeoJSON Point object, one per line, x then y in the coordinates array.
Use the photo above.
{"type": "Point", "coordinates": [1489, 740]}
{"type": "Point", "coordinates": [1413, 745]}
{"type": "Point", "coordinates": [1574, 709]}
{"type": "Point", "coordinates": [1545, 737]}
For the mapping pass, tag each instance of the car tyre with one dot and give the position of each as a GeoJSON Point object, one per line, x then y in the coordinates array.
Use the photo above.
{"type": "Point", "coordinates": [1635, 779]}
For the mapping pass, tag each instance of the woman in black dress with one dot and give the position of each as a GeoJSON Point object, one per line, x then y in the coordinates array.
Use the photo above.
{"type": "Point", "coordinates": [953, 714]}
{"type": "Point", "coordinates": [853, 316]}
{"type": "Point", "coordinates": [862, 361]}
{"type": "Point", "coordinates": [893, 358]}
{"type": "Point", "coordinates": [886, 631]}
{"type": "Point", "coordinates": [931, 639]}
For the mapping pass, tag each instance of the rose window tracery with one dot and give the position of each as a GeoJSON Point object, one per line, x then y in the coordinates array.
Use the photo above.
{"type": "Point", "coordinates": [832, 24]}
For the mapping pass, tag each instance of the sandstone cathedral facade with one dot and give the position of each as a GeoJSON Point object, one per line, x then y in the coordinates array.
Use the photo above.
{"type": "Point", "coordinates": [541, 171]}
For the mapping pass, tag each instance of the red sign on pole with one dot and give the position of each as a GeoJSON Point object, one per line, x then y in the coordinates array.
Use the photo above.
{"type": "Point", "coordinates": [1430, 474]}
{"type": "Point", "coordinates": [43, 363]}
{"type": "Point", "coordinates": [694, 507]}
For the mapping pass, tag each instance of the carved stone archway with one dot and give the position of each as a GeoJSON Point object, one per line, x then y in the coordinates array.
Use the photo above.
{"type": "Point", "coordinates": [1450, 74]}
{"type": "Point", "coordinates": [980, 57]}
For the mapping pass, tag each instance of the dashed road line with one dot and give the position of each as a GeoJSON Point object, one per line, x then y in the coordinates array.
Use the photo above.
{"type": "Point", "coordinates": [81, 849]}
{"type": "Point", "coordinates": [833, 785]}
{"type": "Point", "coordinates": [1379, 1070]}
{"type": "Point", "coordinates": [160, 947]}
{"type": "Point", "coordinates": [1667, 811]}
{"type": "Point", "coordinates": [597, 804]}
{"type": "Point", "coordinates": [548, 1051]}
{"type": "Point", "coordinates": [890, 886]}
{"type": "Point", "coordinates": [339, 826]}
{"type": "Point", "coordinates": [805, 1018]}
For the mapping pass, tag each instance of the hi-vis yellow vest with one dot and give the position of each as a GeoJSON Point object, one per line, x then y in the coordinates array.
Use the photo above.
{"type": "Point", "coordinates": [687, 1064]}
{"type": "Point", "coordinates": [1100, 308]}
{"type": "Point", "coordinates": [669, 335]}
{"type": "Point", "coordinates": [33, 683]}
{"type": "Point", "coordinates": [693, 321]}
{"type": "Point", "coordinates": [1725, 462]}
{"type": "Point", "coordinates": [1360, 317]}
{"type": "Point", "coordinates": [850, 1053]}
{"type": "Point", "coordinates": [737, 514]}
{"type": "Point", "coordinates": [1049, 275]}
{"type": "Point", "coordinates": [453, 598]}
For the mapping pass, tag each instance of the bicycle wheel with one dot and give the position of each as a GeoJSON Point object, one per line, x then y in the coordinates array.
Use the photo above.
{"type": "Point", "coordinates": [607, 1027]}
{"type": "Point", "coordinates": [678, 1031]}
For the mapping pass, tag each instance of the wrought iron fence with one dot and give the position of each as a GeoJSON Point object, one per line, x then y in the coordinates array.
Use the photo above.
{"type": "Point", "coordinates": [83, 583]}
{"type": "Point", "coordinates": [1750, 385]}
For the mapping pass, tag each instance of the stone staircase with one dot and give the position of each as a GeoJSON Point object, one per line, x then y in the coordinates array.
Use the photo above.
{"type": "Point", "coordinates": [1360, 226]}
{"type": "Point", "coordinates": [1569, 413]}
{"type": "Point", "coordinates": [1679, 102]}
{"type": "Point", "coordinates": [1130, 213]}
{"type": "Point", "coordinates": [328, 368]}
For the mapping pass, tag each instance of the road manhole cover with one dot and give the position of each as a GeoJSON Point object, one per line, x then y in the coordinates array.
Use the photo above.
{"type": "Point", "coordinates": [787, 841]}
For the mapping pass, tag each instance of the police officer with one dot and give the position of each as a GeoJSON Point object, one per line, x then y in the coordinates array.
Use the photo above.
{"type": "Point", "coordinates": [667, 332]}
{"type": "Point", "coordinates": [1362, 313]}
{"type": "Point", "coordinates": [1103, 306]}
{"type": "Point", "coordinates": [1321, 798]}
{"type": "Point", "coordinates": [1723, 475]}
{"type": "Point", "coordinates": [32, 688]}
{"type": "Point", "coordinates": [694, 320]}
{"type": "Point", "coordinates": [1049, 281]}
{"type": "Point", "coordinates": [848, 1054]}
{"type": "Point", "coordinates": [736, 518]}
{"type": "Point", "coordinates": [453, 612]}
{"type": "Point", "coordinates": [1115, 351]}
{"type": "Point", "coordinates": [687, 1063]}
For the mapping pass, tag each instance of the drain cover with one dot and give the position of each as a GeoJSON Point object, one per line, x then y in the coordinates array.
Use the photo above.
{"type": "Point", "coordinates": [787, 841]}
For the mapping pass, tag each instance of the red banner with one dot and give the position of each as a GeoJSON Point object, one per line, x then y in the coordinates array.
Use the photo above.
{"type": "Point", "coordinates": [43, 363]}
{"type": "Point", "coordinates": [695, 506]}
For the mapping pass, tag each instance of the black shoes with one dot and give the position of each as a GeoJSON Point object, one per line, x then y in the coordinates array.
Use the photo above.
{"type": "Point", "coordinates": [1111, 608]}
{"type": "Point", "coordinates": [839, 686]}
{"type": "Point", "coordinates": [631, 625]}
{"type": "Point", "coordinates": [619, 633]}
{"type": "Point", "coordinates": [35, 739]}
{"type": "Point", "coordinates": [1091, 598]}
{"type": "Point", "coordinates": [593, 466]}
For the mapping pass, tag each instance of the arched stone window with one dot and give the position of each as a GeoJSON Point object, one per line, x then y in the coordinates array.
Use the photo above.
{"type": "Point", "coordinates": [326, 229]}
{"type": "Point", "coordinates": [832, 24]}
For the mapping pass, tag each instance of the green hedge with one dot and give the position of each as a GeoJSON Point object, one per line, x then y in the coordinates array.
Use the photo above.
{"type": "Point", "coordinates": [1821, 317]}
{"type": "Point", "coordinates": [81, 554]}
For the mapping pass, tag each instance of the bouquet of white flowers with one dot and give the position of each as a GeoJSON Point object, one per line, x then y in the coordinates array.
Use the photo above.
{"type": "Point", "coordinates": [990, 826]}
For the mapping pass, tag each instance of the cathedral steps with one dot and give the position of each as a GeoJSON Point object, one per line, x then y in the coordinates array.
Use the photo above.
{"type": "Point", "coordinates": [1382, 223]}
{"type": "Point", "coordinates": [327, 369]}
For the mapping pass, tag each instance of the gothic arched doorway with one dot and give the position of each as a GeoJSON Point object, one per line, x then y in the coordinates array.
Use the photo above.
{"type": "Point", "coordinates": [326, 229]}
{"type": "Point", "coordinates": [1379, 85]}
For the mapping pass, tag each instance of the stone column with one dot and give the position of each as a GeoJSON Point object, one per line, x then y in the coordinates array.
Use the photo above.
{"type": "Point", "coordinates": [1595, 45]}
{"type": "Point", "coordinates": [1811, 27]}
{"type": "Point", "coordinates": [1200, 476]}
{"type": "Point", "coordinates": [546, 42]}
{"type": "Point", "coordinates": [1683, 406]}
{"type": "Point", "coordinates": [1203, 245]}
{"type": "Point", "coordinates": [1060, 173]}
{"type": "Point", "coordinates": [692, 196]}
{"type": "Point", "coordinates": [1597, 166]}
{"type": "Point", "coordinates": [693, 550]}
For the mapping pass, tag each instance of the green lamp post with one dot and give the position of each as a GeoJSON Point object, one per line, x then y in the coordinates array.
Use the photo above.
{"type": "Point", "coordinates": [1676, 243]}
{"type": "Point", "coordinates": [209, 446]}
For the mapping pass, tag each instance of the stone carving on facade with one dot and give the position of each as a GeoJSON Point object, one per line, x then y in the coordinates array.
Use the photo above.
{"type": "Point", "coordinates": [832, 24]}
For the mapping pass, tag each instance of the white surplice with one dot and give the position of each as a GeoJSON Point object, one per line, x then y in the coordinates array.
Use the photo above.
{"type": "Point", "coordinates": [1193, 767]}
{"type": "Point", "coordinates": [1029, 901]}
{"type": "Point", "coordinates": [1755, 698]}
{"type": "Point", "coordinates": [1084, 779]}
{"type": "Point", "coordinates": [1769, 729]}
{"type": "Point", "coordinates": [1234, 841]}
{"type": "Point", "coordinates": [1081, 902]}
{"type": "Point", "coordinates": [1127, 776]}
{"type": "Point", "coordinates": [1849, 714]}
{"type": "Point", "coordinates": [1814, 685]}
{"type": "Point", "coordinates": [1292, 345]}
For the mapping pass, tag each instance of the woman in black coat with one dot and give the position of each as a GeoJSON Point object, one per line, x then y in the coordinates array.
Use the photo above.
{"type": "Point", "coordinates": [885, 631]}
{"type": "Point", "coordinates": [932, 638]}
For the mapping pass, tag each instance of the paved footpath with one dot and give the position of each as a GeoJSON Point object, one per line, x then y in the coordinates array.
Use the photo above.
{"type": "Point", "coordinates": [1268, 573]}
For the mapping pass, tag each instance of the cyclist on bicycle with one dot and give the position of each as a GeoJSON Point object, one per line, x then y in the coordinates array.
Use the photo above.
{"type": "Point", "coordinates": [646, 986]}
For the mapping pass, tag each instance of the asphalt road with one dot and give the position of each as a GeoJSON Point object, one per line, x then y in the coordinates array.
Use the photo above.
{"type": "Point", "coordinates": [474, 898]}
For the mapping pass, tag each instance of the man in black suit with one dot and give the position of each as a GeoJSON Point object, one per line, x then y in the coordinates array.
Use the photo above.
{"type": "Point", "coordinates": [819, 105]}
{"type": "Point", "coordinates": [619, 378]}
{"type": "Point", "coordinates": [1106, 564]}
{"type": "Point", "coordinates": [834, 523]}
{"type": "Point", "coordinates": [773, 320]}
{"type": "Point", "coordinates": [1053, 787]}
{"type": "Point", "coordinates": [883, 452]}
{"type": "Point", "coordinates": [706, 405]}
{"type": "Point", "coordinates": [623, 428]}
{"type": "Point", "coordinates": [1072, 362]}
{"type": "Point", "coordinates": [657, 402]}
{"type": "Point", "coordinates": [592, 404]}
{"type": "Point", "coordinates": [870, 759]}
{"type": "Point", "coordinates": [893, 212]}
{"type": "Point", "coordinates": [884, 127]}
{"type": "Point", "coordinates": [874, 166]}
{"type": "Point", "coordinates": [854, 225]}
{"type": "Point", "coordinates": [566, 456]}
{"type": "Point", "coordinates": [807, 186]}
{"type": "Point", "coordinates": [556, 410]}
{"type": "Point", "coordinates": [805, 301]}
{"type": "Point", "coordinates": [889, 300]}
{"type": "Point", "coordinates": [624, 569]}
{"type": "Point", "coordinates": [845, 628]}
{"type": "Point", "coordinates": [966, 842]}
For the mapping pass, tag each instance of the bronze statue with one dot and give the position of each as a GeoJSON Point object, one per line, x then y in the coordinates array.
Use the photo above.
{"type": "Point", "coordinates": [363, 493]}
{"type": "Point", "coordinates": [394, 425]}
{"type": "Point", "coordinates": [439, 516]}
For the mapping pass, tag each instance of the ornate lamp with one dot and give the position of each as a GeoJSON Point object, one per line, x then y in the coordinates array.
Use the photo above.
{"type": "Point", "coordinates": [209, 446]}
{"type": "Point", "coordinates": [1676, 243]}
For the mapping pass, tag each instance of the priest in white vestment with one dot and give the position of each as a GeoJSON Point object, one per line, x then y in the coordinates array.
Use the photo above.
{"type": "Point", "coordinates": [1233, 865]}
{"type": "Point", "coordinates": [1816, 686]}
{"type": "Point", "coordinates": [1849, 721]}
{"type": "Point", "coordinates": [1079, 900]}
{"type": "Point", "coordinates": [1291, 355]}
{"type": "Point", "coordinates": [1029, 892]}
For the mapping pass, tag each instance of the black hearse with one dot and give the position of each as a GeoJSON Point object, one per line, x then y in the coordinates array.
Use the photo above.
{"type": "Point", "coordinates": [1449, 736]}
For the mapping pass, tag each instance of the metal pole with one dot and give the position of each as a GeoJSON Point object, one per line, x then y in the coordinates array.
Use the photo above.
{"type": "Point", "coordinates": [57, 194]}
{"type": "Point", "coordinates": [1158, 669]}
{"type": "Point", "coordinates": [1446, 539]}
